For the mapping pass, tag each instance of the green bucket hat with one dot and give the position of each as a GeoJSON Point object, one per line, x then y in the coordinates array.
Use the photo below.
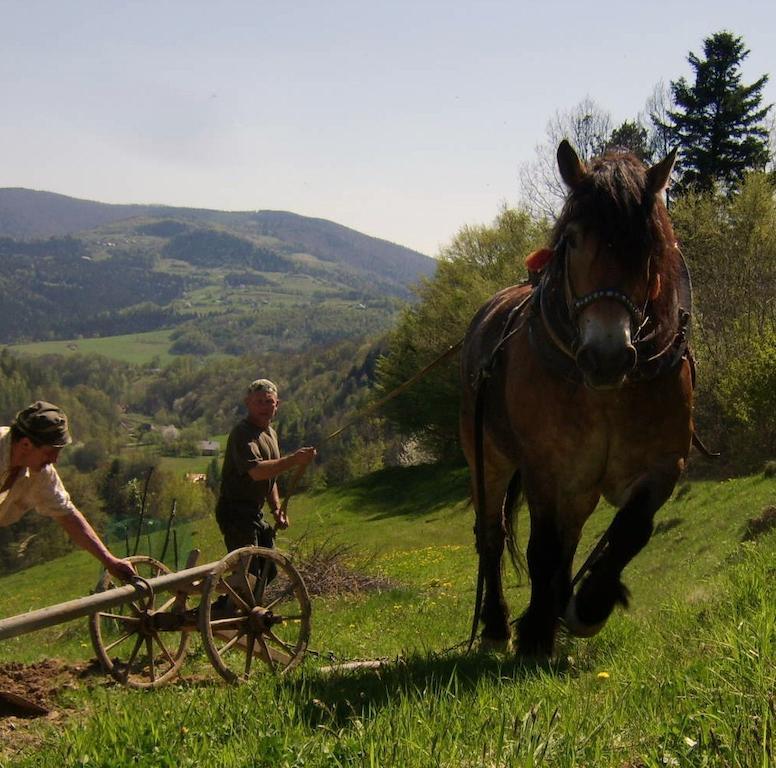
{"type": "Point", "coordinates": [44, 423]}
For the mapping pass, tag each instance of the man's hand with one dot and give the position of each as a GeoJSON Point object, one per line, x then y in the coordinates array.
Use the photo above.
{"type": "Point", "coordinates": [303, 456]}
{"type": "Point", "coordinates": [281, 518]}
{"type": "Point", "coordinates": [121, 569]}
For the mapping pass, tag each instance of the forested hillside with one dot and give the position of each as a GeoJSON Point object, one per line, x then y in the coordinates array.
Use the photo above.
{"type": "Point", "coordinates": [230, 282]}
{"type": "Point", "coordinates": [125, 419]}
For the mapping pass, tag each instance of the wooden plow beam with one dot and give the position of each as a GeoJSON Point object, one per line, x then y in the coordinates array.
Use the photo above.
{"type": "Point", "coordinates": [250, 605]}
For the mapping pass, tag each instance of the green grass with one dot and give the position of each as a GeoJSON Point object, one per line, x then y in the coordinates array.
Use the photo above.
{"type": "Point", "coordinates": [139, 348]}
{"type": "Point", "coordinates": [685, 678]}
{"type": "Point", "coordinates": [182, 465]}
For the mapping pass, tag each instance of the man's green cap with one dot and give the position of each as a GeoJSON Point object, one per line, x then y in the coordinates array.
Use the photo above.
{"type": "Point", "coordinates": [263, 385]}
{"type": "Point", "coordinates": [44, 424]}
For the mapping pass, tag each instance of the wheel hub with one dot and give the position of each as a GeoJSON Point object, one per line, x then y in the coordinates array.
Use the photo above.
{"type": "Point", "coordinates": [261, 620]}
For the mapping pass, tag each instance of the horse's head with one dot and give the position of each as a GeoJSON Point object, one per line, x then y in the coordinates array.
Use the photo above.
{"type": "Point", "coordinates": [608, 236]}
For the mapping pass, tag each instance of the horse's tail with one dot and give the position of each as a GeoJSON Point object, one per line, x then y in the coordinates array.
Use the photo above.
{"type": "Point", "coordinates": [511, 505]}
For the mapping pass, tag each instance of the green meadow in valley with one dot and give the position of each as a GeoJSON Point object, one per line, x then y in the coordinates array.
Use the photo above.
{"type": "Point", "coordinates": [138, 348]}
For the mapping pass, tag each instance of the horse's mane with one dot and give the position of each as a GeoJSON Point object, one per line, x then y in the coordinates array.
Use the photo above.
{"type": "Point", "coordinates": [613, 200]}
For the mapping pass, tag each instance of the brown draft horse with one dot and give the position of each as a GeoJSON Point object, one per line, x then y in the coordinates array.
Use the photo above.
{"type": "Point", "coordinates": [576, 388]}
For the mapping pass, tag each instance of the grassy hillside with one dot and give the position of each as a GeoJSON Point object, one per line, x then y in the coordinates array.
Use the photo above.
{"type": "Point", "coordinates": [685, 678]}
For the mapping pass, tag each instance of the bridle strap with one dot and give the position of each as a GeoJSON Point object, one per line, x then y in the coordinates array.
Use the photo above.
{"type": "Point", "coordinates": [550, 329]}
{"type": "Point", "coordinates": [577, 304]}
{"type": "Point", "coordinates": [613, 294]}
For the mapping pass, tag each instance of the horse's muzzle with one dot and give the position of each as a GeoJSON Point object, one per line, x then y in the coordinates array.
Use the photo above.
{"type": "Point", "coordinates": [605, 368]}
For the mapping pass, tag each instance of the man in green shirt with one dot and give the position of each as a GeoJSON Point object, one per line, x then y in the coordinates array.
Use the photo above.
{"type": "Point", "coordinates": [251, 463]}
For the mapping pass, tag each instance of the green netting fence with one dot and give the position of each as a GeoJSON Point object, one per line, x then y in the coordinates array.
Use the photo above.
{"type": "Point", "coordinates": [167, 540]}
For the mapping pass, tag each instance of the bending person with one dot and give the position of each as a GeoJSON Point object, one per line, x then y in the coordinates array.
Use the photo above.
{"type": "Point", "coordinates": [29, 449]}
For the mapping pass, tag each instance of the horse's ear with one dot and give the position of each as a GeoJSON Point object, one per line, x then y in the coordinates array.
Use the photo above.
{"type": "Point", "coordinates": [569, 165]}
{"type": "Point", "coordinates": [659, 174]}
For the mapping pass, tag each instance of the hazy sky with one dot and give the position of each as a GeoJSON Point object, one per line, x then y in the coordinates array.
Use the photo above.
{"type": "Point", "coordinates": [404, 120]}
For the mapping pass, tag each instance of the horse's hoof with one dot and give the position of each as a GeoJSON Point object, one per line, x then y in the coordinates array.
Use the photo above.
{"type": "Point", "coordinates": [495, 645]}
{"type": "Point", "coordinates": [575, 625]}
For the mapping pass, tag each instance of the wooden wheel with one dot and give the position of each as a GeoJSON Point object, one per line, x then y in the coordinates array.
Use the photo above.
{"type": "Point", "coordinates": [129, 643]}
{"type": "Point", "coordinates": [246, 615]}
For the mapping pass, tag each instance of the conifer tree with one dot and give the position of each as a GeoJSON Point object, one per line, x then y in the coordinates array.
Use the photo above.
{"type": "Point", "coordinates": [633, 137]}
{"type": "Point", "coordinates": [719, 122]}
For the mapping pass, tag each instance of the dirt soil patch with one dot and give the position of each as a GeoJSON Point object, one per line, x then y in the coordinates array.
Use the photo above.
{"type": "Point", "coordinates": [29, 700]}
{"type": "Point", "coordinates": [30, 690]}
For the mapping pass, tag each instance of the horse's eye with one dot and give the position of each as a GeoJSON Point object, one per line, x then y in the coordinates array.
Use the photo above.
{"type": "Point", "coordinates": [571, 238]}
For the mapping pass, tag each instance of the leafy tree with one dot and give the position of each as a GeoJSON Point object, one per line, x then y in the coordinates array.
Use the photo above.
{"type": "Point", "coordinates": [213, 479]}
{"type": "Point", "coordinates": [719, 122]}
{"type": "Point", "coordinates": [747, 389]}
{"type": "Point", "coordinates": [89, 456]}
{"type": "Point", "coordinates": [730, 245]}
{"type": "Point", "coordinates": [192, 500]}
{"type": "Point", "coordinates": [480, 261]}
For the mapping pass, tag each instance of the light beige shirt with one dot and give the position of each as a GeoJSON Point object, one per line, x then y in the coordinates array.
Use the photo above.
{"type": "Point", "coordinates": [42, 491]}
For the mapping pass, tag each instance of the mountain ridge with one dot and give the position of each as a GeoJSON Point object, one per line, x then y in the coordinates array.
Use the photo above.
{"type": "Point", "coordinates": [28, 213]}
{"type": "Point", "coordinates": [291, 279]}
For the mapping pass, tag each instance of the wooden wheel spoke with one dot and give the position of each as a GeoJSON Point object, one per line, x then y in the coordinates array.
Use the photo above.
{"type": "Point", "coordinates": [228, 623]}
{"type": "Point", "coordinates": [167, 604]}
{"type": "Point", "coordinates": [124, 637]}
{"type": "Point", "coordinates": [267, 654]}
{"type": "Point", "coordinates": [133, 656]}
{"type": "Point", "coordinates": [134, 620]}
{"type": "Point", "coordinates": [291, 617]}
{"type": "Point", "coordinates": [249, 653]}
{"type": "Point", "coordinates": [261, 584]}
{"type": "Point", "coordinates": [237, 597]}
{"type": "Point", "coordinates": [150, 652]}
{"type": "Point", "coordinates": [282, 643]}
{"type": "Point", "coordinates": [282, 596]}
{"type": "Point", "coordinates": [161, 644]}
{"type": "Point", "coordinates": [228, 646]}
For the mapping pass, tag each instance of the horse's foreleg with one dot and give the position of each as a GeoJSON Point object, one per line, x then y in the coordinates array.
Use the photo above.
{"type": "Point", "coordinates": [550, 555]}
{"type": "Point", "coordinates": [602, 588]}
{"type": "Point", "coordinates": [556, 522]}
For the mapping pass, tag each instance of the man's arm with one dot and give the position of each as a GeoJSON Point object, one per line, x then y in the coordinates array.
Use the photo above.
{"type": "Point", "coordinates": [269, 468]}
{"type": "Point", "coordinates": [275, 507]}
{"type": "Point", "coordinates": [77, 527]}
